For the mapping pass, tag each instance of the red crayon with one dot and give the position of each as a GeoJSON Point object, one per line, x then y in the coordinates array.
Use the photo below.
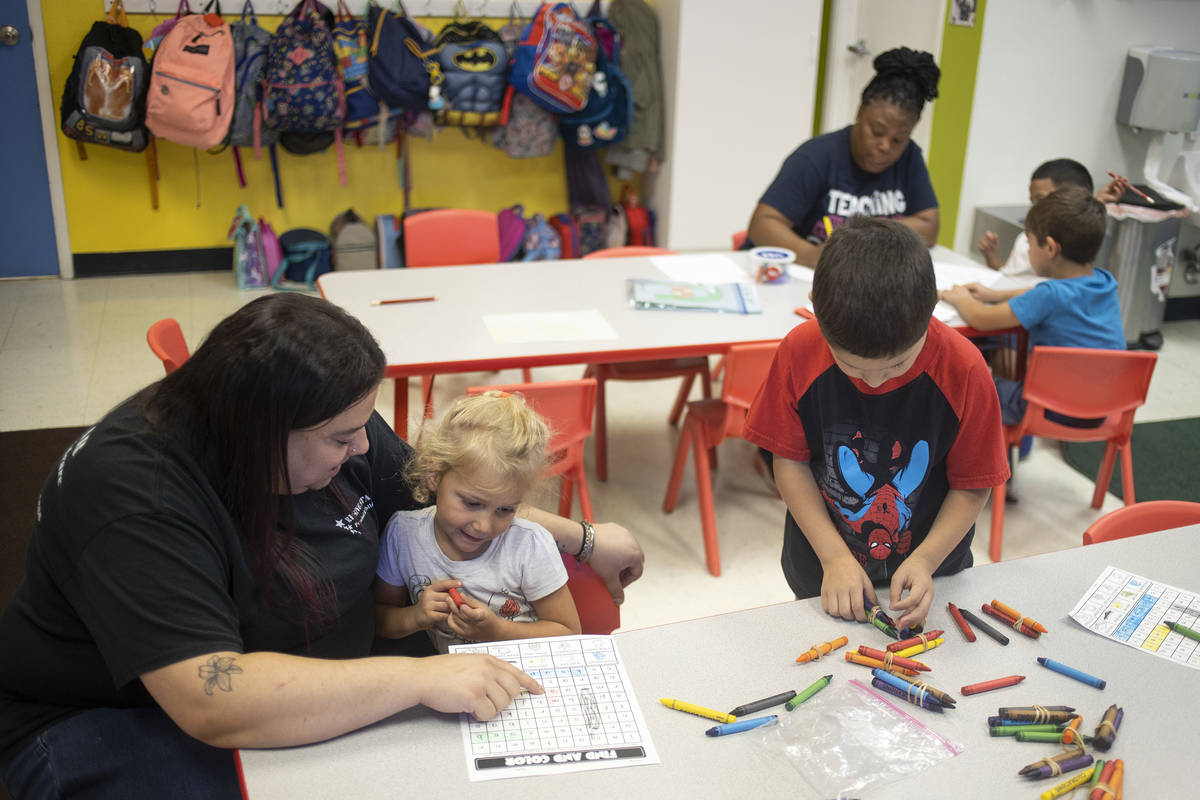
{"type": "Point", "coordinates": [1012, 612]}
{"type": "Point", "coordinates": [1103, 789]}
{"type": "Point", "coordinates": [962, 623]}
{"type": "Point", "coordinates": [456, 597]}
{"type": "Point", "coordinates": [987, 686]}
{"type": "Point", "coordinates": [1024, 628]}
{"type": "Point", "coordinates": [926, 637]}
{"type": "Point", "coordinates": [891, 659]}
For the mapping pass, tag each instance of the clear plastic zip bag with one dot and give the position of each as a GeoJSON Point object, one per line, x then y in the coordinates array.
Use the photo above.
{"type": "Point", "coordinates": [847, 738]}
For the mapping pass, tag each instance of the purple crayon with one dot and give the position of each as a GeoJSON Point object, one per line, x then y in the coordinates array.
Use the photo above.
{"type": "Point", "coordinates": [928, 701]}
{"type": "Point", "coordinates": [1106, 731]}
{"type": "Point", "coordinates": [1044, 769]}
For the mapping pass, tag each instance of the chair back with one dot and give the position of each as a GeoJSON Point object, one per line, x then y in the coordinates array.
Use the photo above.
{"type": "Point", "coordinates": [739, 239]}
{"type": "Point", "coordinates": [598, 614]}
{"type": "Point", "coordinates": [567, 406]}
{"type": "Point", "coordinates": [631, 250]}
{"type": "Point", "coordinates": [746, 367]}
{"type": "Point", "coordinates": [1139, 518]}
{"type": "Point", "coordinates": [1085, 383]}
{"type": "Point", "coordinates": [449, 236]}
{"type": "Point", "coordinates": [166, 341]}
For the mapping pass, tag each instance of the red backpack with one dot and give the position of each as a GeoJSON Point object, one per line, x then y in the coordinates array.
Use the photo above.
{"type": "Point", "coordinates": [555, 59]}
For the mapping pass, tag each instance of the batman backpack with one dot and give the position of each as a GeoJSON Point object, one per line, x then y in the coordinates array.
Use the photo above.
{"type": "Point", "coordinates": [474, 69]}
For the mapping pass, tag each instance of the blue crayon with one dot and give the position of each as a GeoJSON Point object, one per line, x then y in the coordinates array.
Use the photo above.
{"type": "Point", "coordinates": [1071, 672]}
{"type": "Point", "coordinates": [740, 725]}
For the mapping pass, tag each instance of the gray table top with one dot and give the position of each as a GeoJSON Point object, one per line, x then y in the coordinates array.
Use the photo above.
{"type": "Point", "coordinates": [730, 659]}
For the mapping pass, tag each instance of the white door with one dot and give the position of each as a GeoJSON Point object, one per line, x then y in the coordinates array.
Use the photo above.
{"type": "Point", "coordinates": [859, 30]}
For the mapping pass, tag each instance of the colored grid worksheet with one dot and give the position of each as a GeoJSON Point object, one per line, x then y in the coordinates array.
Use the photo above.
{"type": "Point", "coordinates": [588, 717]}
{"type": "Point", "coordinates": [1133, 610]}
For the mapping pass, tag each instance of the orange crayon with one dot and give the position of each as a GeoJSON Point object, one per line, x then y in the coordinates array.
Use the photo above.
{"type": "Point", "coordinates": [1016, 615]}
{"type": "Point", "coordinates": [822, 649]}
{"type": "Point", "coordinates": [1011, 622]}
{"type": "Point", "coordinates": [891, 659]}
{"type": "Point", "coordinates": [912, 641]}
{"type": "Point", "coordinates": [1071, 732]}
{"type": "Point", "coordinates": [1103, 789]}
{"type": "Point", "coordinates": [855, 657]}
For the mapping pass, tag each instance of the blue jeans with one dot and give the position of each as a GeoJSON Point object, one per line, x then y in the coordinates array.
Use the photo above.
{"type": "Point", "coordinates": [118, 753]}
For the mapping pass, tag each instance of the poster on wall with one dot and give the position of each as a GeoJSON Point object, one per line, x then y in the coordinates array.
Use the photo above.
{"type": "Point", "coordinates": [962, 12]}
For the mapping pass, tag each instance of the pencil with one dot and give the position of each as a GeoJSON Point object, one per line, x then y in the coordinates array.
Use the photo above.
{"type": "Point", "coordinates": [394, 301]}
{"type": "Point", "coordinates": [1121, 179]}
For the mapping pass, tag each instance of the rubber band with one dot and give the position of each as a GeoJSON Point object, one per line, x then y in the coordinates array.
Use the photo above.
{"type": "Point", "coordinates": [1019, 623]}
{"type": "Point", "coordinates": [1106, 723]}
{"type": "Point", "coordinates": [887, 659]}
{"type": "Point", "coordinates": [1041, 714]}
{"type": "Point", "coordinates": [1105, 788]}
{"type": "Point", "coordinates": [814, 654]}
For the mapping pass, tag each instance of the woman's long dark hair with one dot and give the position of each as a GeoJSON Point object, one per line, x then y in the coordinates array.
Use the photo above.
{"type": "Point", "coordinates": [281, 363]}
{"type": "Point", "coordinates": [905, 77]}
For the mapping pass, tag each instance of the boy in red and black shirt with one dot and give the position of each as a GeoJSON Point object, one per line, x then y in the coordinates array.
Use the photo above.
{"type": "Point", "coordinates": [884, 429]}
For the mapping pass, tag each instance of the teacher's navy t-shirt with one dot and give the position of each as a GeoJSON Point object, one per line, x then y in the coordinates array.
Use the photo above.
{"type": "Point", "coordinates": [820, 179]}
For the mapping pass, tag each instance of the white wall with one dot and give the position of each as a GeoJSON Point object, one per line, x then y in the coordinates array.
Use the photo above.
{"type": "Point", "coordinates": [1049, 75]}
{"type": "Point", "coordinates": [745, 105]}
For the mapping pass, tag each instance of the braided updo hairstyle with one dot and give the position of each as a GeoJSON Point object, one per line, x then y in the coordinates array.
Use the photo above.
{"type": "Point", "coordinates": [905, 77]}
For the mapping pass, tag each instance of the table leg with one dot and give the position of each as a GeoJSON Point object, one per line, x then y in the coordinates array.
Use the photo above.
{"type": "Point", "coordinates": [400, 408]}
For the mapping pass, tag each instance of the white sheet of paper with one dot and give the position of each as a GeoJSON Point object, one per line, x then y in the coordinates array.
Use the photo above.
{"type": "Point", "coordinates": [548, 326]}
{"type": "Point", "coordinates": [588, 717]}
{"type": "Point", "coordinates": [951, 274]}
{"type": "Point", "coordinates": [1130, 609]}
{"type": "Point", "coordinates": [704, 268]}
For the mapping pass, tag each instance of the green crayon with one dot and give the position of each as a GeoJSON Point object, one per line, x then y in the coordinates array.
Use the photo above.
{"type": "Point", "coordinates": [817, 686]}
{"type": "Point", "coordinates": [1184, 630]}
{"type": "Point", "coordinates": [883, 626]}
{"type": "Point", "coordinates": [1099, 765]}
{"type": "Point", "coordinates": [1026, 735]}
{"type": "Point", "coordinates": [1013, 730]}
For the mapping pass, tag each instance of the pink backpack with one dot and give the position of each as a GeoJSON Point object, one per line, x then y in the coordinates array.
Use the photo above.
{"type": "Point", "coordinates": [191, 95]}
{"type": "Point", "coordinates": [512, 232]}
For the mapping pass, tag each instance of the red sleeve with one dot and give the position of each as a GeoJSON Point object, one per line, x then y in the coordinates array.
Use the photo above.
{"type": "Point", "coordinates": [773, 422]}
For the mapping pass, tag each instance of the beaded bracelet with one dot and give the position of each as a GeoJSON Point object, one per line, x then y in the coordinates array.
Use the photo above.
{"type": "Point", "coordinates": [588, 544]}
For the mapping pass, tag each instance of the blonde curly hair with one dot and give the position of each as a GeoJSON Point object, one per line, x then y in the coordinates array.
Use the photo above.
{"type": "Point", "coordinates": [494, 431]}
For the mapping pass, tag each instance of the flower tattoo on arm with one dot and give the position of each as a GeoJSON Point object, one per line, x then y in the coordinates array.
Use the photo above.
{"type": "Point", "coordinates": [218, 672]}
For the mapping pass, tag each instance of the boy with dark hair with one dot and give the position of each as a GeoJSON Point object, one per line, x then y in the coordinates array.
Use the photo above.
{"type": "Point", "coordinates": [883, 427]}
{"type": "Point", "coordinates": [1048, 177]}
{"type": "Point", "coordinates": [1078, 307]}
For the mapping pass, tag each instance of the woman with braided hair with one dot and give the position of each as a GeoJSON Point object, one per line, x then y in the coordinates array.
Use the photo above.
{"type": "Point", "coordinates": [870, 168]}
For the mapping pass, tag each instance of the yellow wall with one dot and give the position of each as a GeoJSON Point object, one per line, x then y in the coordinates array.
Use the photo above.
{"type": "Point", "coordinates": [108, 197]}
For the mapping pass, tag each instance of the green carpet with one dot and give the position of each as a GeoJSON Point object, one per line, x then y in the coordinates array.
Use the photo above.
{"type": "Point", "coordinates": [1166, 460]}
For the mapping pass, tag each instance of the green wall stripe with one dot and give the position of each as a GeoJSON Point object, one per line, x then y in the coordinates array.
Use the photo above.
{"type": "Point", "coordinates": [952, 117]}
{"type": "Point", "coordinates": [822, 60]}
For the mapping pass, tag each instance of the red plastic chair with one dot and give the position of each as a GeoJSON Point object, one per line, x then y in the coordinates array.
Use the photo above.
{"type": "Point", "coordinates": [1087, 384]}
{"type": "Point", "coordinates": [449, 237]}
{"type": "Point", "coordinates": [598, 614]}
{"type": "Point", "coordinates": [739, 239]}
{"type": "Point", "coordinates": [166, 341]}
{"type": "Point", "coordinates": [656, 369]}
{"type": "Point", "coordinates": [1139, 518]}
{"type": "Point", "coordinates": [710, 422]}
{"type": "Point", "coordinates": [567, 407]}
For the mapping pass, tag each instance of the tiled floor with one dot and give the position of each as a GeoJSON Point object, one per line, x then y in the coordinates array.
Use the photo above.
{"type": "Point", "coordinates": [69, 350]}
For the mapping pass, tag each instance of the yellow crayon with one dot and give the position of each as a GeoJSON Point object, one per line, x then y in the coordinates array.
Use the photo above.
{"type": "Point", "coordinates": [700, 711]}
{"type": "Point", "coordinates": [1078, 779]}
{"type": "Point", "coordinates": [920, 648]}
{"type": "Point", "coordinates": [828, 228]}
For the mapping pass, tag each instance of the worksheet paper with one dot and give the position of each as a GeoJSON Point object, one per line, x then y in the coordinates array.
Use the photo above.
{"type": "Point", "coordinates": [950, 274]}
{"type": "Point", "coordinates": [704, 268]}
{"type": "Point", "coordinates": [1130, 609]}
{"type": "Point", "coordinates": [587, 719]}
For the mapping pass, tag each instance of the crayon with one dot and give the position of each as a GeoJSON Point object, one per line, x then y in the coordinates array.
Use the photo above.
{"type": "Point", "coordinates": [1015, 723]}
{"type": "Point", "coordinates": [908, 652]}
{"type": "Point", "coordinates": [1096, 773]}
{"type": "Point", "coordinates": [1013, 709]}
{"type": "Point", "coordinates": [983, 626]}
{"type": "Point", "coordinates": [1056, 765]}
{"type": "Point", "coordinates": [1106, 731]}
{"type": "Point", "coordinates": [1010, 621]}
{"type": "Point", "coordinates": [1018, 616]}
{"type": "Point", "coordinates": [1075, 781]}
{"type": "Point", "coordinates": [456, 597]}
{"type": "Point", "coordinates": [1071, 672]}
{"type": "Point", "coordinates": [923, 638]}
{"type": "Point", "coordinates": [881, 623]}
{"type": "Point", "coordinates": [909, 685]}
{"type": "Point", "coordinates": [766, 702]}
{"type": "Point", "coordinates": [890, 659]}
{"type": "Point", "coordinates": [854, 657]}
{"type": "Point", "coordinates": [740, 725]}
{"type": "Point", "coordinates": [995, 683]}
{"type": "Point", "coordinates": [817, 686]}
{"type": "Point", "coordinates": [1045, 736]}
{"type": "Point", "coordinates": [1118, 778]}
{"type": "Point", "coordinates": [1102, 789]}
{"type": "Point", "coordinates": [1071, 732]}
{"type": "Point", "coordinates": [1013, 730]}
{"type": "Point", "coordinates": [1037, 714]}
{"type": "Point", "coordinates": [699, 711]}
{"type": "Point", "coordinates": [1183, 630]}
{"type": "Point", "coordinates": [926, 701]}
{"type": "Point", "coordinates": [828, 227]}
{"type": "Point", "coordinates": [967, 633]}
{"type": "Point", "coordinates": [1123, 181]}
{"type": "Point", "coordinates": [822, 649]}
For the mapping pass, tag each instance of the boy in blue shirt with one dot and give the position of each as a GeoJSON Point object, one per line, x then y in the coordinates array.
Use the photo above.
{"type": "Point", "coordinates": [1078, 307]}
